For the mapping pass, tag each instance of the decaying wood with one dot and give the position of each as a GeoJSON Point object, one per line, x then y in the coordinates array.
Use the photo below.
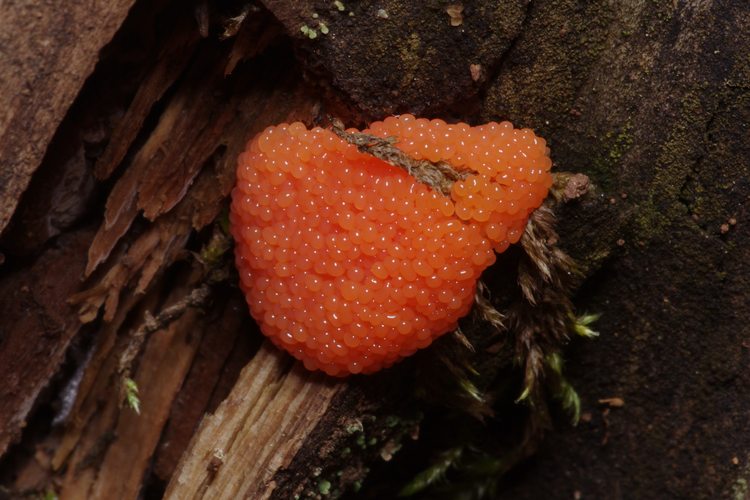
{"type": "Point", "coordinates": [176, 156]}
{"type": "Point", "coordinates": [167, 67]}
{"type": "Point", "coordinates": [39, 78]}
{"type": "Point", "coordinates": [649, 99]}
{"type": "Point", "coordinates": [37, 328]}
{"type": "Point", "coordinates": [271, 410]}
{"type": "Point", "coordinates": [96, 446]}
{"type": "Point", "coordinates": [105, 450]}
{"type": "Point", "coordinates": [216, 365]}
{"type": "Point", "coordinates": [114, 468]}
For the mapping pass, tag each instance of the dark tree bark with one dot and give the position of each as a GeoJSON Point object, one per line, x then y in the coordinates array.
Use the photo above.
{"type": "Point", "coordinates": [109, 188]}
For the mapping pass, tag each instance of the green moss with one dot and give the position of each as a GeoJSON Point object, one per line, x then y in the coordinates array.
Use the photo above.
{"type": "Point", "coordinates": [131, 395]}
{"type": "Point", "coordinates": [354, 427]}
{"type": "Point", "coordinates": [391, 421]}
{"type": "Point", "coordinates": [576, 37]}
{"type": "Point", "coordinates": [308, 32]}
{"type": "Point", "coordinates": [740, 489]}
{"type": "Point", "coordinates": [613, 147]}
{"type": "Point", "coordinates": [410, 58]}
{"type": "Point", "coordinates": [674, 164]}
{"type": "Point", "coordinates": [360, 441]}
{"type": "Point", "coordinates": [623, 142]}
{"type": "Point", "coordinates": [324, 487]}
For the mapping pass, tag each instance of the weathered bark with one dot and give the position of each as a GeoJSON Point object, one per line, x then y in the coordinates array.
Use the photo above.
{"type": "Point", "coordinates": [37, 329]}
{"type": "Point", "coordinates": [41, 75]}
{"type": "Point", "coordinates": [272, 408]}
{"type": "Point", "coordinates": [650, 99]}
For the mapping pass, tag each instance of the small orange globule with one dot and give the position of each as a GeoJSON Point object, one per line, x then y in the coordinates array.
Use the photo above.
{"type": "Point", "coordinates": [349, 263]}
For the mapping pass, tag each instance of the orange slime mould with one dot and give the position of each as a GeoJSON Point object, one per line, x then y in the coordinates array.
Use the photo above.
{"type": "Point", "coordinates": [348, 262]}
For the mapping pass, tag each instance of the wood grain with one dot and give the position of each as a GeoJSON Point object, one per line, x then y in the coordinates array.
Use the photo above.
{"type": "Point", "coordinates": [37, 327]}
{"type": "Point", "coordinates": [41, 75]}
{"type": "Point", "coordinates": [257, 430]}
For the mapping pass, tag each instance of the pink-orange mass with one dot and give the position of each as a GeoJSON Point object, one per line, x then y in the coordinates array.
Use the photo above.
{"type": "Point", "coordinates": [349, 263]}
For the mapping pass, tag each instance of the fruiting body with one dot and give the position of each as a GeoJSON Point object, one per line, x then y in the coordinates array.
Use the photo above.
{"type": "Point", "coordinates": [349, 263]}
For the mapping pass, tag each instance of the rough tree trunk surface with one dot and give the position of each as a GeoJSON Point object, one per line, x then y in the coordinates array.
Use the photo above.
{"type": "Point", "coordinates": [120, 126]}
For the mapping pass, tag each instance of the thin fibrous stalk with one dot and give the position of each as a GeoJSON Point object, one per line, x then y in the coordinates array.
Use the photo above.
{"type": "Point", "coordinates": [433, 473]}
{"type": "Point", "coordinates": [211, 257]}
{"type": "Point", "coordinates": [544, 319]}
{"type": "Point", "coordinates": [484, 310]}
{"type": "Point", "coordinates": [198, 297]}
{"type": "Point", "coordinates": [439, 175]}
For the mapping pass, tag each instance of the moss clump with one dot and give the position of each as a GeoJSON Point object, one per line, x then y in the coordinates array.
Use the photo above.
{"type": "Point", "coordinates": [324, 487]}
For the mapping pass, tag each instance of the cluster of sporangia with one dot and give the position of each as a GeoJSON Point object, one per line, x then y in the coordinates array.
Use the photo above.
{"type": "Point", "coordinates": [349, 263]}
